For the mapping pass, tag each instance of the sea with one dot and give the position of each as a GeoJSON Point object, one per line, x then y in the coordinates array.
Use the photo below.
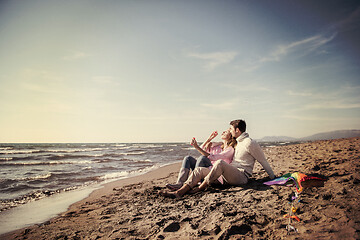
{"type": "Point", "coordinates": [31, 172]}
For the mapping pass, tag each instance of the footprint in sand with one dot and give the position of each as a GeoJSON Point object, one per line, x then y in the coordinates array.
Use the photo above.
{"type": "Point", "coordinates": [172, 227]}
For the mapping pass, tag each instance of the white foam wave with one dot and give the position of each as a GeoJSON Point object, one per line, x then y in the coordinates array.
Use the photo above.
{"type": "Point", "coordinates": [132, 153]}
{"type": "Point", "coordinates": [168, 150]}
{"type": "Point", "coordinates": [48, 163]}
{"type": "Point", "coordinates": [188, 148]}
{"type": "Point", "coordinates": [126, 174]}
{"type": "Point", "coordinates": [148, 146]}
{"type": "Point", "coordinates": [44, 176]}
{"type": "Point", "coordinates": [18, 151]}
{"type": "Point", "coordinates": [5, 148]}
{"type": "Point", "coordinates": [118, 145]}
{"type": "Point", "coordinates": [115, 175]}
{"type": "Point", "coordinates": [122, 148]}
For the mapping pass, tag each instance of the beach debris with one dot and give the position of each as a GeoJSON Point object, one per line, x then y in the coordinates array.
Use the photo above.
{"type": "Point", "coordinates": [291, 228]}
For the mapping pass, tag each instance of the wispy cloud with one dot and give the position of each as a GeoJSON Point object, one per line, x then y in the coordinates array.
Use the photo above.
{"type": "Point", "coordinates": [104, 79]}
{"type": "Point", "coordinates": [333, 104]}
{"type": "Point", "coordinates": [350, 22]}
{"type": "Point", "coordinates": [249, 87]}
{"type": "Point", "coordinates": [220, 106]}
{"type": "Point", "coordinates": [345, 97]}
{"type": "Point", "coordinates": [76, 55]}
{"type": "Point", "coordinates": [299, 93]}
{"type": "Point", "coordinates": [214, 59]}
{"type": "Point", "coordinates": [303, 46]}
{"type": "Point", "coordinates": [41, 81]}
{"type": "Point", "coordinates": [304, 117]}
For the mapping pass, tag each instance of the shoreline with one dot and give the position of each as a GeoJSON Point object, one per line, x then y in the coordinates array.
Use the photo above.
{"type": "Point", "coordinates": [58, 204]}
{"type": "Point", "coordinates": [133, 209]}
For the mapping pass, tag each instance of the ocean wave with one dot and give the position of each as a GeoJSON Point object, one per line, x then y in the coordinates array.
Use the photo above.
{"type": "Point", "coordinates": [119, 145]}
{"type": "Point", "coordinates": [133, 153]}
{"type": "Point", "coordinates": [18, 151]}
{"type": "Point", "coordinates": [115, 175]}
{"type": "Point", "coordinates": [43, 163]}
{"type": "Point", "coordinates": [6, 148]}
{"type": "Point", "coordinates": [143, 161]}
{"type": "Point", "coordinates": [125, 174]}
{"type": "Point", "coordinates": [66, 156]}
{"type": "Point", "coordinates": [104, 160]}
{"type": "Point", "coordinates": [43, 176]}
{"type": "Point", "coordinates": [51, 150]}
{"type": "Point", "coordinates": [23, 158]}
{"type": "Point", "coordinates": [114, 155]}
{"type": "Point", "coordinates": [142, 145]}
{"type": "Point", "coordinates": [167, 150]}
{"type": "Point", "coordinates": [187, 148]}
{"type": "Point", "coordinates": [122, 147]}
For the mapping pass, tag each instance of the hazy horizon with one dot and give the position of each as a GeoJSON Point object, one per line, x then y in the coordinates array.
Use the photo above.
{"type": "Point", "coordinates": [166, 71]}
{"type": "Point", "coordinates": [170, 142]}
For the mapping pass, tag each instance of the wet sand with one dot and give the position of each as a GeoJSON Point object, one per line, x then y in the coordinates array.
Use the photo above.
{"type": "Point", "coordinates": [132, 208]}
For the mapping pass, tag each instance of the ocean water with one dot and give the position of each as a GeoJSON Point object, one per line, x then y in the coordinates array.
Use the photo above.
{"type": "Point", "coordinates": [34, 171]}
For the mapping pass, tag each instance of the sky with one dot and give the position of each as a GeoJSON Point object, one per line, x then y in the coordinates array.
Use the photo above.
{"type": "Point", "coordinates": [167, 71]}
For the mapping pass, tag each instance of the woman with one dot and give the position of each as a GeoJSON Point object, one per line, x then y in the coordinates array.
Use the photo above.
{"type": "Point", "coordinates": [211, 152]}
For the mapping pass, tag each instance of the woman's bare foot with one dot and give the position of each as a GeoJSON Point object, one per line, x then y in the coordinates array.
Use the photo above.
{"type": "Point", "coordinates": [169, 194]}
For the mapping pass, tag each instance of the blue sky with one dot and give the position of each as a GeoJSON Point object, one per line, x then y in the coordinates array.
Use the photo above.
{"type": "Point", "coordinates": [165, 71]}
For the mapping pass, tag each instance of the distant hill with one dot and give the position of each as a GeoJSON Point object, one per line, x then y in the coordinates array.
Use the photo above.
{"type": "Point", "coordinates": [277, 139]}
{"type": "Point", "coordinates": [319, 136]}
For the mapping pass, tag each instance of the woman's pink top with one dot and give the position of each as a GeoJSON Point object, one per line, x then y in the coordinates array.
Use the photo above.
{"type": "Point", "coordinates": [217, 153]}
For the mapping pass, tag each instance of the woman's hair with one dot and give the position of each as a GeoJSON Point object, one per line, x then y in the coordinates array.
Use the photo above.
{"type": "Point", "coordinates": [231, 142]}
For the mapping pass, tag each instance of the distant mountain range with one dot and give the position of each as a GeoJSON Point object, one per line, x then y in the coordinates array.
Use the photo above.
{"type": "Point", "coordinates": [318, 136]}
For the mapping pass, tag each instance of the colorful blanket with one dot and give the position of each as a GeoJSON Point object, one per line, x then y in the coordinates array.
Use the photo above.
{"type": "Point", "coordinates": [300, 181]}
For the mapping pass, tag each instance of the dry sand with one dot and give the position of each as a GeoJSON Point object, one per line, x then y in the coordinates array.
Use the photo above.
{"type": "Point", "coordinates": [132, 209]}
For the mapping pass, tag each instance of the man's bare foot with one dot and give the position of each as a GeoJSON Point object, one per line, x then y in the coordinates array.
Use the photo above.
{"type": "Point", "coordinates": [194, 190]}
{"type": "Point", "coordinates": [174, 187]}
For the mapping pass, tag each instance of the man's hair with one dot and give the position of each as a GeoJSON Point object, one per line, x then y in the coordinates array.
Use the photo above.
{"type": "Point", "coordinates": [240, 124]}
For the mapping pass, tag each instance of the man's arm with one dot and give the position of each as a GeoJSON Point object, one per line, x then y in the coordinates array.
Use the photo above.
{"type": "Point", "coordinates": [256, 151]}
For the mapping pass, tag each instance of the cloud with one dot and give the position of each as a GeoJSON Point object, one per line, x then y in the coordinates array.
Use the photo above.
{"type": "Point", "coordinates": [298, 93]}
{"type": "Point", "coordinates": [220, 106]}
{"type": "Point", "coordinates": [351, 22]}
{"type": "Point", "coordinates": [303, 117]}
{"type": "Point", "coordinates": [345, 97]}
{"type": "Point", "coordinates": [303, 46]}
{"type": "Point", "coordinates": [214, 59]}
{"type": "Point", "coordinates": [76, 55]}
{"type": "Point", "coordinates": [333, 104]}
{"type": "Point", "coordinates": [248, 87]}
{"type": "Point", "coordinates": [41, 81]}
{"type": "Point", "coordinates": [103, 79]}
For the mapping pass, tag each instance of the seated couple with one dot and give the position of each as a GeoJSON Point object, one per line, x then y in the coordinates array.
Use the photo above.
{"type": "Point", "coordinates": [232, 162]}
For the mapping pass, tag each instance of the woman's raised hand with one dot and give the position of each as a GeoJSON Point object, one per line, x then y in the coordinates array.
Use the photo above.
{"type": "Point", "coordinates": [193, 142]}
{"type": "Point", "coordinates": [214, 134]}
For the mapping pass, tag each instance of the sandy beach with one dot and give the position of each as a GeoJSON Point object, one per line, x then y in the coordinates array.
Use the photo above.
{"type": "Point", "coordinates": [132, 209]}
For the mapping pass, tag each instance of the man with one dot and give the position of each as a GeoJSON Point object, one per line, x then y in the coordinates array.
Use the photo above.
{"type": "Point", "coordinates": [247, 151]}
